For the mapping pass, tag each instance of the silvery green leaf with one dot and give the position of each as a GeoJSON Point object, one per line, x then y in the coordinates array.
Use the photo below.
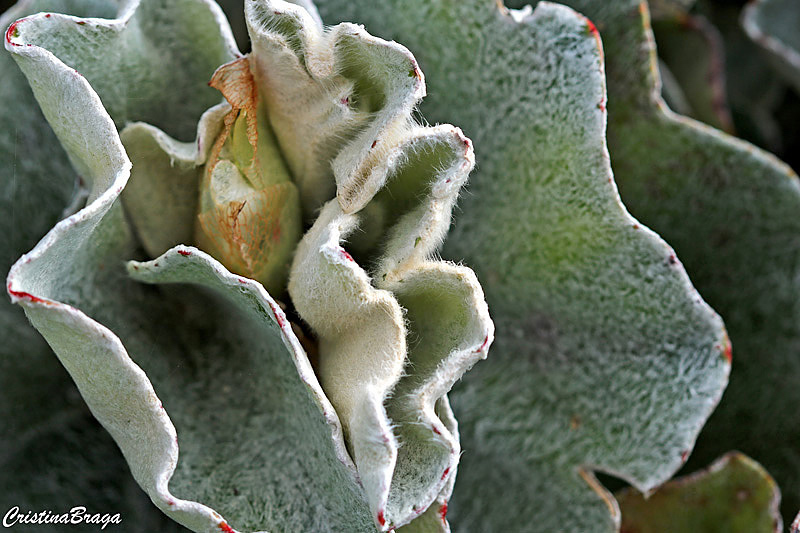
{"type": "Point", "coordinates": [108, 330]}
{"type": "Point", "coordinates": [598, 325]}
{"type": "Point", "coordinates": [729, 209]}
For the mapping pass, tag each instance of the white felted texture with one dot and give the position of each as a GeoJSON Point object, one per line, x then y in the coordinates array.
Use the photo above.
{"type": "Point", "coordinates": [362, 331]}
{"type": "Point", "coordinates": [608, 358]}
{"type": "Point", "coordinates": [446, 315]}
{"type": "Point", "coordinates": [422, 176]}
{"type": "Point", "coordinates": [114, 387]}
{"type": "Point", "coordinates": [339, 95]}
{"type": "Point", "coordinates": [362, 344]}
{"type": "Point", "coordinates": [161, 197]}
{"type": "Point", "coordinates": [221, 434]}
{"type": "Point", "coordinates": [448, 320]}
{"type": "Point", "coordinates": [362, 90]}
{"type": "Point", "coordinates": [72, 263]}
{"type": "Point", "coordinates": [54, 452]}
{"type": "Point", "coordinates": [289, 416]}
{"type": "Point", "coordinates": [78, 262]}
{"type": "Point", "coordinates": [110, 54]}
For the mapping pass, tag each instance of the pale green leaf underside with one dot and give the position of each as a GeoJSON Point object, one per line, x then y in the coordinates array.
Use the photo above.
{"type": "Point", "coordinates": [76, 249]}
{"type": "Point", "coordinates": [120, 58]}
{"type": "Point", "coordinates": [212, 372]}
{"type": "Point", "coordinates": [417, 173]}
{"type": "Point", "coordinates": [285, 413]}
{"type": "Point", "coordinates": [730, 211]}
{"type": "Point", "coordinates": [78, 263]}
{"type": "Point", "coordinates": [600, 326]}
{"type": "Point", "coordinates": [735, 494]}
{"type": "Point", "coordinates": [44, 465]}
{"type": "Point", "coordinates": [162, 196]}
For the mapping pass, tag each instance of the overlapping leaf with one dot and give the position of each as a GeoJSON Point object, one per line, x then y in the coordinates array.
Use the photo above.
{"type": "Point", "coordinates": [606, 358]}
{"type": "Point", "coordinates": [195, 365]}
{"type": "Point", "coordinates": [730, 211]}
{"type": "Point", "coordinates": [691, 52]}
{"type": "Point", "coordinates": [549, 332]}
{"type": "Point", "coordinates": [45, 464]}
{"type": "Point", "coordinates": [752, 88]}
{"type": "Point", "coordinates": [72, 271]}
{"type": "Point", "coordinates": [773, 24]}
{"type": "Point", "coordinates": [362, 94]}
{"type": "Point", "coordinates": [734, 494]}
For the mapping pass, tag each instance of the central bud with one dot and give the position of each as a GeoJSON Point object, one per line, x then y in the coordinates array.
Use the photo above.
{"type": "Point", "coordinates": [249, 217]}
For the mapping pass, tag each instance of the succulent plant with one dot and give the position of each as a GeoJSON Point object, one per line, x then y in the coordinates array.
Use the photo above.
{"type": "Point", "coordinates": [244, 280]}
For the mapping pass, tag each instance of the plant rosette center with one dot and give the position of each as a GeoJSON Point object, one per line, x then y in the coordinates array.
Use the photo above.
{"type": "Point", "coordinates": [313, 150]}
{"type": "Point", "coordinates": [249, 209]}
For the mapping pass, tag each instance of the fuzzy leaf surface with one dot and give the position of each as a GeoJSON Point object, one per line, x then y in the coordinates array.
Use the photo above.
{"type": "Point", "coordinates": [73, 274]}
{"type": "Point", "coordinates": [598, 325]}
{"type": "Point", "coordinates": [729, 209]}
{"type": "Point", "coordinates": [417, 173]}
{"type": "Point", "coordinates": [45, 464]}
{"type": "Point", "coordinates": [116, 58]}
{"type": "Point", "coordinates": [208, 367]}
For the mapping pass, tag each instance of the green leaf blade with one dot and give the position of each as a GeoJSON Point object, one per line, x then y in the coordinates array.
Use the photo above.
{"type": "Point", "coordinates": [729, 210]}
{"type": "Point", "coordinates": [542, 227]}
{"type": "Point", "coordinates": [734, 494]}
